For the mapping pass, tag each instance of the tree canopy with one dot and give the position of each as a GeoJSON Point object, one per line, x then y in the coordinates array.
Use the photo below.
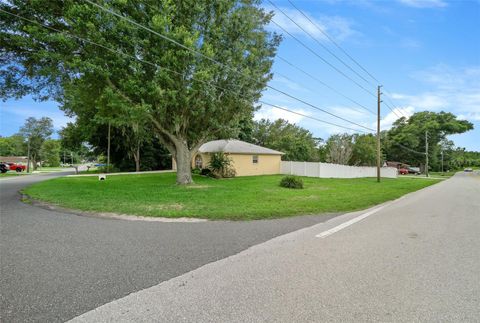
{"type": "Point", "coordinates": [36, 131]}
{"type": "Point", "coordinates": [411, 132]}
{"type": "Point", "coordinates": [132, 71]}
{"type": "Point", "coordinates": [296, 142]}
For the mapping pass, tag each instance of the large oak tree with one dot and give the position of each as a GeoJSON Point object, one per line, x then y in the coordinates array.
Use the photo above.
{"type": "Point", "coordinates": [188, 98]}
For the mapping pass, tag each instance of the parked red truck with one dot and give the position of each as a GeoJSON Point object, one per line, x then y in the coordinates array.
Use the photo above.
{"type": "Point", "coordinates": [17, 167]}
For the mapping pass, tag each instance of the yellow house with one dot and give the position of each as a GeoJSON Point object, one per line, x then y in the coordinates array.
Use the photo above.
{"type": "Point", "coordinates": [247, 159]}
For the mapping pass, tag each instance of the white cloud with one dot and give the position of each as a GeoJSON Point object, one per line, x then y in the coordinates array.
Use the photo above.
{"type": "Point", "coordinates": [387, 121]}
{"type": "Point", "coordinates": [292, 85]}
{"type": "Point", "coordinates": [424, 101]}
{"type": "Point", "coordinates": [272, 114]}
{"type": "Point", "coordinates": [454, 90]}
{"type": "Point", "coordinates": [424, 3]}
{"type": "Point", "coordinates": [337, 27]}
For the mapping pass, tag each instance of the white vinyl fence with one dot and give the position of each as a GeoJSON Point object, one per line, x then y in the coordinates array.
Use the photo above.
{"type": "Point", "coordinates": [326, 170]}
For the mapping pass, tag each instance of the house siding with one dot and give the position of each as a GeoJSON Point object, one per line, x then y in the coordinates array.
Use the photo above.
{"type": "Point", "coordinates": [243, 164]}
{"type": "Point", "coordinates": [267, 164]}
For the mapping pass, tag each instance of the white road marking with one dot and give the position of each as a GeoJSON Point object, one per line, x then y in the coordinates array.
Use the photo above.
{"type": "Point", "coordinates": [344, 225]}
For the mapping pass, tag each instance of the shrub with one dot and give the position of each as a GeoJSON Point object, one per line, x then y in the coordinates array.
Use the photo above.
{"type": "Point", "coordinates": [196, 171]}
{"type": "Point", "coordinates": [291, 182]}
{"type": "Point", "coordinates": [220, 166]}
{"type": "Point", "coordinates": [205, 172]}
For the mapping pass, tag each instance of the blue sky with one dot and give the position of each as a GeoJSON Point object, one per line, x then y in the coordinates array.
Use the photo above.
{"type": "Point", "coordinates": [425, 52]}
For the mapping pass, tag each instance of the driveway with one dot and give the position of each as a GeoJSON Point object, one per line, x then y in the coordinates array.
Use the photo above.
{"type": "Point", "coordinates": [55, 266]}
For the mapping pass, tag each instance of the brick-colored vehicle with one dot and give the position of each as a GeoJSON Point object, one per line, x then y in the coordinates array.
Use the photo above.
{"type": "Point", "coordinates": [17, 167]}
{"type": "Point", "coordinates": [403, 171]}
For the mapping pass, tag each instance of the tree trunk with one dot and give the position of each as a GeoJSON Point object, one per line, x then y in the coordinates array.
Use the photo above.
{"type": "Point", "coordinates": [34, 162]}
{"type": "Point", "coordinates": [108, 150]}
{"type": "Point", "coordinates": [136, 156]}
{"type": "Point", "coordinates": [183, 158]}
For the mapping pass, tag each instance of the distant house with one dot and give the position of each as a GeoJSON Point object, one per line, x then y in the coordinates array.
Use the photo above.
{"type": "Point", "coordinates": [14, 159]}
{"type": "Point", "coordinates": [397, 165]}
{"type": "Point", "coordinates": [247, 159]}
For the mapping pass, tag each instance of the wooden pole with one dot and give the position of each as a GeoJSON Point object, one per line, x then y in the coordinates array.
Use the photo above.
{"type": "Point", "coordinates": [426, 153]}
{"type": "Point", "coordinates": [378, 132]}
{"type": "Point", "coordinates": [108, 149]}
{"type": "Point", "coordinates": [28, 157]}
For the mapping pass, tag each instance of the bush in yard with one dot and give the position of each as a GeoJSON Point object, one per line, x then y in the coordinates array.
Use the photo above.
{"type": "Point", "coordinates": [220, 165]}
{"type": "Point", "coordinates": [291, 182]}
{"type": "Point", "coordinates": [196, 171]}
{"type": "Point", "coordinates": [205, 172]}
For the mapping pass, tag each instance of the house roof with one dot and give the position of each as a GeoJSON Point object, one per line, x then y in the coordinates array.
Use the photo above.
{"type": "Point", "coordinates": [233, 146]}
{"type": "Point", "coordinates": [13, 159]}
{"type": "Point", "coordinates": [396, 164]}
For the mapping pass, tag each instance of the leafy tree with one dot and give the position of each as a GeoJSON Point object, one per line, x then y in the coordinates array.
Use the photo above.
{"type": "Point", "coordinates": [339, 148]}
{"type": "Point", "coordinates": [410, 133]}
{"type": "Point", "coordinates": [364, 152]}
{"type": "Point", "coordinates": [36, 131]}
{"type": "Point", "coordinates": [198, 101]}
{"type": "Point", "coordinates": [50, 153]}
{"type": "Point", "coordinates": [322, 150]}
{"type": "Point", "coordinates": [297, 143]}
{"type": "Point", "coordinates": [459, 158]}
{"type": "Point", "coordinates": [12, 146]}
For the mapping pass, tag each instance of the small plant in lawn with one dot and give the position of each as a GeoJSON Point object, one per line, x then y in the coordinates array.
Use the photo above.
{"type": "Point", "coordinates": [291, 182]}
{"type": "Point", "coordinates": [196, 171]}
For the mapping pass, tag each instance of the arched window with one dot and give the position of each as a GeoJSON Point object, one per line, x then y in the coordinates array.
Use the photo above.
{"type": "Point", "coordinates": [198, 162]}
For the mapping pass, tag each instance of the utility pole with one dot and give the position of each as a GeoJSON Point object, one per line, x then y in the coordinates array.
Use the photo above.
{"type": "Point", "coordinates": [28, 157]}
{"type": "Point", "coordinates": [426, 153]}
{"type": "Point", "coordinates": [441, 152]}
{"type": "Point", "coordinates": [108, 149]}
{"type": "Point", "coordinates": [378, 132]}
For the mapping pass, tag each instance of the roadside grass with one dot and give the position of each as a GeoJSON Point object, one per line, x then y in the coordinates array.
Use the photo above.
{"type": "Point", "coordinates": [241, 198]}
{"type": "Point", "coordinates": [12, 173]}
{"type": "Point", "coordinates": [440, 175]}
{"type": "Point", "coordinates": [51, 169]}
{"type": "Point", "coordinates": [443, 174]}
{"type": "Point", "coordinates": [92, 170]}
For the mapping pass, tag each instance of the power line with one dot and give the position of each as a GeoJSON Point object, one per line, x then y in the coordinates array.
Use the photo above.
{"type": "Point", "coordinates": [334, 42]}
{"type": "Point", "coordinates": [340, 48]}
{"type": "Point", "coordinates": [389, 95]}
{"type": "Point", "coordinates": [170, 70]}
{"type": "Point", "coordinates": [307, 116]}
{"type": "Point", "coordinates": [228, 67]}
{"type": "Point", "coordinates": [394, 112]}
{"type": "Point", "coordinates": [319, 43]}
{"type": "Point", "coordinates": [322, 59]}
{"type": "Point", "coordinates": [325, 84]}
{"type": "Point", "coordinates": [409, 149]}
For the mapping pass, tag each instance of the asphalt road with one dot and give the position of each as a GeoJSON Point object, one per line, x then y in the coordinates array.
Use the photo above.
{"type": "Point", "coordinates": [55, 266]}
{"type": "Point", "coordinates": [414, 260]}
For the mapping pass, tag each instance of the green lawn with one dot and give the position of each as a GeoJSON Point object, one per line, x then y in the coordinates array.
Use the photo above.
{"type": "Point", "coordinates": [241, 198]}
{"type": "Point", "coordinates": [52, 169]}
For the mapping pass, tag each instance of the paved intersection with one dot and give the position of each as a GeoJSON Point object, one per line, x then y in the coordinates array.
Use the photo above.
{"type": "Point", "coordinates": [55, 266]}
